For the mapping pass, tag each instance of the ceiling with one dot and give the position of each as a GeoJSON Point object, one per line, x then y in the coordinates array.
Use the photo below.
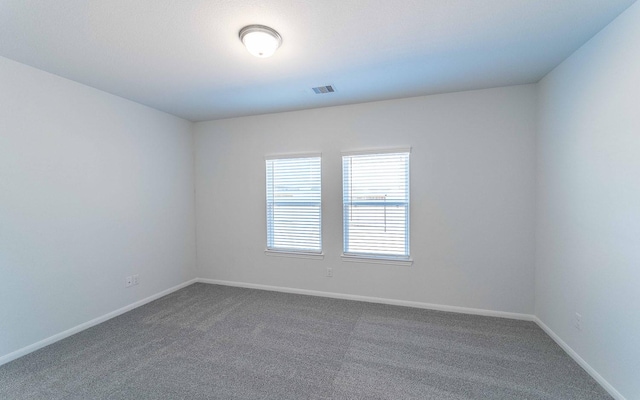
{"type": "Point", "coordinates": [184, 56]}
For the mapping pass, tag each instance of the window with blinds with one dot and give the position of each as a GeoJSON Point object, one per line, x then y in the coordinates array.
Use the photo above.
{"type": "Point", "coordinates": [294, 209]}
{"type": "Point", "coordinates": [376, 204]}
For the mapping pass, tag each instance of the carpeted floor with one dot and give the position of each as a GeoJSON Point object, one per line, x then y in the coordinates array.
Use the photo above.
{"type": "Point", "coordinates": [216, 342]}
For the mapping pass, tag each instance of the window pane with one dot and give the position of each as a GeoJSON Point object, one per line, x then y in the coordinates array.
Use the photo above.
{"type": "Point", "coordinates": [376, 204]}
{"type": "Point", "coordinates": [294, 204]}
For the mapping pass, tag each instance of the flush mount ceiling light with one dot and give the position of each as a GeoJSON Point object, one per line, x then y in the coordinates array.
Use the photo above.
{"type": "Point", "coordinates": [260, 40]}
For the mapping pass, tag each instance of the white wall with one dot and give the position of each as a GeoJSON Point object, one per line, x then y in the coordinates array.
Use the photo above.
{"type": "Point", "coordinates": [588, 254]}
{"type": "Point", "coordinates": [472, 193]}
{"type": "Point", "coordinates": [92, 188]}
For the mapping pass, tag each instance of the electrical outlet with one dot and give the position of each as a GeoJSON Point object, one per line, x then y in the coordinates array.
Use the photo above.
{"type": "Point", "coordinates": [578, 322]}
{"type": "Point", "coordinates": [128, 281]}
{"type": "Point", "coordinates": [329, 272]}
{"type": "Point", "coordinates": [136, 279]}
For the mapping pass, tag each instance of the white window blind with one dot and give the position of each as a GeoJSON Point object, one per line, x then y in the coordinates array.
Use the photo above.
{"type": "Point", "coordinates": [294, 204]}
{"type": "Point", "coordinates": [376, 205]}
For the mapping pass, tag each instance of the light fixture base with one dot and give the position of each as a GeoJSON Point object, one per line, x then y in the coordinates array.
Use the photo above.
{"type": "Point", "coordinates": [260, 40]}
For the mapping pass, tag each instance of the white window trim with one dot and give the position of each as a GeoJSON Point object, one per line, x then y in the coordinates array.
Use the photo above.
{"type": "Point", "coordinates": [294, 254]}
{"type": "Point", "coordinates": [296, 155]}
{"type": "Point", "coordinates": [377, 151]}
{"type": "Point", "coordinates": [377, 259]}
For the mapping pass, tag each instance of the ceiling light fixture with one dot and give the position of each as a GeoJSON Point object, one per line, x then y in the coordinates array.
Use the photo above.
{"type": "Point", "coordinates": [260, 40]}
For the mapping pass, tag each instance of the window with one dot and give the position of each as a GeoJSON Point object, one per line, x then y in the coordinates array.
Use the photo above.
{"type": "Point", "coordinates": [294, 204]}
{"type": "Point", "coordinates": [375, 202]}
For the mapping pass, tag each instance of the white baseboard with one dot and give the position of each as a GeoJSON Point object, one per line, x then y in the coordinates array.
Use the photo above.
{"type": "Point", "coordinates": [52, 339]}
{"type": "Point", "coordinates": [405, 303]}
{"type": "Point", "coordinates": [594, 374]}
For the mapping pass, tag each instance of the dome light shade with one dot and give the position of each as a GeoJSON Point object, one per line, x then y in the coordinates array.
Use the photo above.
{"type": "Point", "coordinates": [260, 40]}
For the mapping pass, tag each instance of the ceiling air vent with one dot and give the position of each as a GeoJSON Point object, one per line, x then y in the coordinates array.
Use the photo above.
{"type": "Point", "coordinates": [324, 89]}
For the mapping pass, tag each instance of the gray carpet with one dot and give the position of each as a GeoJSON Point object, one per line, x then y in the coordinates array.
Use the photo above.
{"type": "Point", "coordinates": [216, 342]}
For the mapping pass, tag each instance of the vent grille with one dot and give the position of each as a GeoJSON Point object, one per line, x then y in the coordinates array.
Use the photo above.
{"type": "Point", "coordinates": [324, 89]}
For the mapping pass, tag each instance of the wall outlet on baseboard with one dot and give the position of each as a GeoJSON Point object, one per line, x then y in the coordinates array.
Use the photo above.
{"type": "Point", "coordinates": [577, 322]}
{"type": "Point", "coordinates": [329, 272]}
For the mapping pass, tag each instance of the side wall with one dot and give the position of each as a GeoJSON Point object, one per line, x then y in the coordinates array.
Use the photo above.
{"type": "Point", "coordinates": [93, 188]}
{"type": "Point", "coordinates": [472, 194]}
{"type": "Point", "coordinates": [588, 253]}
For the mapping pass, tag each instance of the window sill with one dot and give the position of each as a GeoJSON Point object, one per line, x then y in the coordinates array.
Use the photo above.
{"type": "Point", "coordinates": [377, 260]}
{"type": "Point", "coordinates": [294, 254]}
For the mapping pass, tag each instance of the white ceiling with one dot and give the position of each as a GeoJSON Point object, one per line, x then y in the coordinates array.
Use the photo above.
{"type": "Point", "coordinates": [184, 56]}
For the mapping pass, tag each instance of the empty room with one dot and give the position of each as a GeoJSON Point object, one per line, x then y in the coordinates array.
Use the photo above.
{"type": "Point", "coordinates": [356, 199]}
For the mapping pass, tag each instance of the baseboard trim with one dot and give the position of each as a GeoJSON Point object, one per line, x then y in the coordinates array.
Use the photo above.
{"type": "Point", "coordinates": [79, 328]}
{"type": "Point", "coordinates": [576, 357]}
{"type": "Point", "coordinates": [368, 299]}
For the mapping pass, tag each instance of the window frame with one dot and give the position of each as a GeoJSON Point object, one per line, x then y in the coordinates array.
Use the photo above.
{"type": "Point", "coordinates": [374, 258]}
{"type": "Point", "coordinates": [291, 252]}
